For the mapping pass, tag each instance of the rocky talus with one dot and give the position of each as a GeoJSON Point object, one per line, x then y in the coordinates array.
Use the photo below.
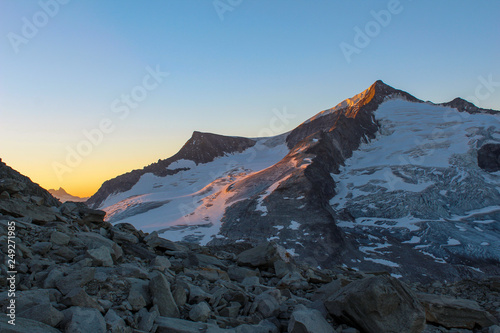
{"type": "Point", "coordinates": [77, 273]}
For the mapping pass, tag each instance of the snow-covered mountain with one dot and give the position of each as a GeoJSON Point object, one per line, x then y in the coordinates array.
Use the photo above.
{"type": "Point", "coordinates": [382, 181]}
{"type": "Point", "coordinates": [64, 196]}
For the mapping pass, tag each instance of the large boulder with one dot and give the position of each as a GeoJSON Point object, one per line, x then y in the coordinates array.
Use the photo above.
{"type": "Point", "coordinates": [265, 254]}
{"type": "Point", "coordinates": [80, 320]}
{"type": "Point", "coordinates": [377, 304]}
{"type": "Point", "coordinates": [455, 313]}
{"type": "Point", "coordinates": [162, 296]}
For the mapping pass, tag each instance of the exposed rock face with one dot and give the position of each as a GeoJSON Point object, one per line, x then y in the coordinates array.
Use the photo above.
{"type": "Point", "coordinates": [299, 205]}
{"type": "Point", "coordinates": [378, 304]}
{"type": "Point", "coordinates": [465, 106]}
{"type": "Point", "coordinates": [20, 197]}
{"type": "Point", "coordinates": [200, 148]}
{"type": "Point", "coordinates": [488, 157]}
{"type": "Point", "coordinates": [20, 186]}
{"type": "Point", "coordinates": [455, 313]}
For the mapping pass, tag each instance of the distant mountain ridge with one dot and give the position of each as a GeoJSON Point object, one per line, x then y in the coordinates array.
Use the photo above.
{"type": "Point", "coordinates": [64, 196]}
{"type": "Point", "coordinates": [331, 193]}
{"type": "Point", "coordinates": [200, 148]}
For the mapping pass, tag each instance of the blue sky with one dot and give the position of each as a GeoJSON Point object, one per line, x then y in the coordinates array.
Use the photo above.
{"type": "Point", "coordinates": [225, 75]}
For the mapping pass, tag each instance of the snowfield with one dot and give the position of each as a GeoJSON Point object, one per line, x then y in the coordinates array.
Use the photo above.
{"type": "Point", "coordinates": [419, 181]}
{"type": "Point", "coordinates": [189, 205]}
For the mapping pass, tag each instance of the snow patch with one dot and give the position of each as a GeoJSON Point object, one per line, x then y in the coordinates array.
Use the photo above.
{"type": "Point", "coordinates": [413, 240]}
{"type": "Point", "coordinates": [182, 164]}
{"type": "Point", "coordinates": [382, 262]}
{"type": "Point", "coordinates": [294, 225]}
{"type": "Point", "coordinates": [453, 242]}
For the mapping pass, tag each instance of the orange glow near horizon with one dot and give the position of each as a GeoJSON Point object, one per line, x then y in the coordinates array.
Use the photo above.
{"type": "Point", "coordinates": [87, 178]}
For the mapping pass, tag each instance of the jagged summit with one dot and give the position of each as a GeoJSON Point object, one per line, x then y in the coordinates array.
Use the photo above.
{"type": "Point", "coordinates": [351, 106]}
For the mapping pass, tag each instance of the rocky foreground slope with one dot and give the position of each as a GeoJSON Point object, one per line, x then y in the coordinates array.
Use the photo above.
{"type": "Point", "coordinates": [78, 273]}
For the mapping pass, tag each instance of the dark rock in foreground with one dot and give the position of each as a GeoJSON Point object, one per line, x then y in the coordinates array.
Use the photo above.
{"type": "Point", "coordinates": [77, 273]}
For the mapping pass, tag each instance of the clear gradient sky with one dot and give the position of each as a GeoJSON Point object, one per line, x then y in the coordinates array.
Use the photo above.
{"type": "Point", "coordinates": [230, 64]}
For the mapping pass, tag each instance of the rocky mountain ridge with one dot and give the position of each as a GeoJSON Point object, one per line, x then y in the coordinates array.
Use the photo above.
{"type": "Point", "coordinates": [383, 180]}
{"type": "Point", "coordinates": [64, 196]}
{"type": "Point", "coordinates": [200, 148]}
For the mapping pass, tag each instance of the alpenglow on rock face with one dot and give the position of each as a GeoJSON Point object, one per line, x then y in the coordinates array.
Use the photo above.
{"type": "Point", "coordinates": [382, 181]}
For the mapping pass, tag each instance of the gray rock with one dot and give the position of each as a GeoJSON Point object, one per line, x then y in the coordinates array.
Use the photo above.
{"type": "Point", "coordinates": [212, 274]}
{"type": "Point", "coordinates": [106, 305]}
{"type": "Point", "coordinates": [293, 281]}
{"type": "Point", "coordinates": [265, 326]}
{"type": "Point", "coordinates": [200, 312]}
{"type": "Point", "coordinates": [377, 304]}
{"type": "Point", "coordinates": [197, 295]}
{"type": "Point", "coordinates": [59, 238]}
{"type": "Point", "coordinates": [209, 261]}
{"type": "Point", "coordinates": [282, 268]}
{"type": "Point", "coordinates": [101, 256]}
{"type": "Point", "coordinates": [161, 263]}
{"type": "Point", "coordinates": [455, 313]}
{"type": "Point", "coordinates": [173, 325]}
{"type": "Point", "coordinates": [262, 255]}
{"type": "Point", "coordinates": [132, 270]}
{"type": "Point", "coordinates": [39, 201]}
{"type": "Point", "coordinates": [44, 313]}
{"type": "Point", "coordinates": [238, 274]}
{"type": "Point", "coordinates": [268, 303]}
{"type": "Point", "coordinates": [24, 325]}
{"type": "Point", "coordinates": [77, 278]}
{"type": "Point", "coordinates": [94, 240]}
{"type": "Point", "coordinates": [147, 319]}
{"type": "Point", "coordinates": [179, 294]}
{"type": "Point", "coordinates": [136, 300]}
{"type": "Point", "coordinates": [78, 297]}
{"type": "Point", "coordinates": [41, 247]}
{"type": "Point", "coordinates": [251, 281]}
{"type": "Point", "coordinates": [52, 278]}
{"type": "Point", "coordinates": [161, 244]}
{"type": "Point", "coordinates": [140, 287]}
{"type": "Point", "coordinates": [304, 320]}
{"type": "Point", "coordinates": [231, 311]}
{"type": "Point", "coordinates": [162, 296]}
{"type": "Point", "coordinates": [65, 253]}
{"type": "Point", "coordinates": [327, 290]}
{"type": "Point", "coordinates": [114, 323]}
{"type": "Point", "coordinates": [121, 237]}
{"type": "Point", "coordinates": [83, 320]}
{"type": "Point", "coordinates": [494, 329]}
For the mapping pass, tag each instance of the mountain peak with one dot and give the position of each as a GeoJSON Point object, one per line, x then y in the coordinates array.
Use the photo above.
{"type": "Point", "coordinates": [463, 105]}
{"type": "Point", "coordinates": [351, 106]}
